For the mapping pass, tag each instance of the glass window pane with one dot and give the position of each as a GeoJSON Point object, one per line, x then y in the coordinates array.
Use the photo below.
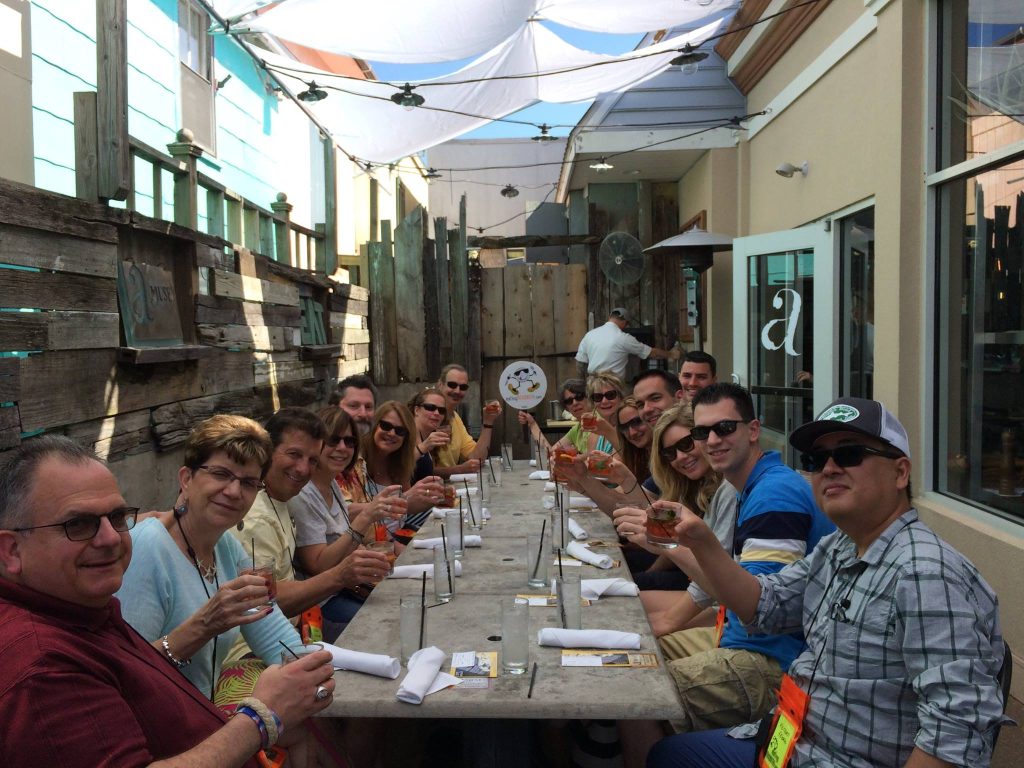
{"type": "Point", "coordinates": [982, 78]}
{"type": "Point", "coordinates": [857, 310]}
{"type": "Point", "coordinates": [980, 439]}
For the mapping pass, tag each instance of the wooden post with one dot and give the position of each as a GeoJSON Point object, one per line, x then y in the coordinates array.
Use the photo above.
{"type": "Point", "coordinates": [282, 230]}
{"type": "Point", "coordinates": [215, 212]}
{"type": "Point", "coordinates": [186, 179]}
{"type": "Point", "coordinates": [235, 228]}
{"type": "Point", "coordinates": [458, 268]}
{"type": "Point", "coordinates": [444, 311]}
{"type": "Point", "coordinates": [330, 248]}
{"type": "Point", "coordinates": [114, 162]}
{"type": "Point", "coordinates": [86, 182]}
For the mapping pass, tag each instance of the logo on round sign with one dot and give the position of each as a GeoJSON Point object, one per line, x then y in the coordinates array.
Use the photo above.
{"type": "Point", "coordinates": [523, 385]}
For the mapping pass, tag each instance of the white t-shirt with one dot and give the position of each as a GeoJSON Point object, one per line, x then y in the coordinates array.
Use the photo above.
{"type": "Point", "coordinates": [608, 347]}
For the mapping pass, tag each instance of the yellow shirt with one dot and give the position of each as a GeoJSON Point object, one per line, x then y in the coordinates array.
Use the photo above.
{"type": "Point", "coordinates": [459, 447]}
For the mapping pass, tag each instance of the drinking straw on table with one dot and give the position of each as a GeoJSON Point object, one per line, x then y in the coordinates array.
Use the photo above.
{"type": "Point", "coordinates": [423, 602]}
{"type": "Point", "coordinates": [560, 597]}
{"type": "Point", "coordinates": [561, 527]}
{"type": "Point", "coordinates": [493, 478]}
{"type": "Point", "coordinates": [283, 645]}
{"type": "Point", "coordinates": [559, 551]}
{"type": "Point", "coordinates": [540, 549]}
{"type": "Point", "coordinates": [533, 679]}
{"type": "Point", "coordinates": [253, 551]}
{"type": "Point", "coordinates": [447, 568]}
{"type": "Point", "coordinates": [472, 517]}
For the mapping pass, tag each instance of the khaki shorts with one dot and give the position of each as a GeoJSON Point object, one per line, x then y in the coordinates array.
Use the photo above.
{"type": "Point", "coordinates": [723, 687]}
{"type": "Point", "coordinates": [687, 642]}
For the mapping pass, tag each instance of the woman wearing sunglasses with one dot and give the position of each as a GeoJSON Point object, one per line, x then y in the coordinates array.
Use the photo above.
{"type": "Point", "coordinates": [327, 534]}
{"type": "Point", "coordinates": [574, 400]}
{"type": "Point", "coordinates": [430, 412]}
{"type": "Point", "coordinates": [604, 393]}
{"type": "Point", "coordinates": [636, 438]}
{"type": "Point", "coordinates": [183, 591]}
{"type": "Point", "coordinates": [390, 451]}
{"type": "Point", "coordinates": [463, 453]}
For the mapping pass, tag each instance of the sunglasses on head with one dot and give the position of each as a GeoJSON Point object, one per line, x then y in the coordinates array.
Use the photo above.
{"type": "Point", "coordinates": [387, 426]}
{"type": "Point", "coordinates": [843, 456]}
{"type": "Point", "coordinates": [456, 385]}
{"type": "Point", "coordinates": [348, 440]}
{"type": "Point", "coordinates": [573, 399]}
{"type": "Point", "coordinates": [597, 397]}
{"type": "Point", "coordinates": [722, 428]}
{"type": "Point", "coordinates": [431, 408]}
{"type": "Point", "coordinates": [684, 444]}
{"type": "Point", "coordinates": [635, 423]}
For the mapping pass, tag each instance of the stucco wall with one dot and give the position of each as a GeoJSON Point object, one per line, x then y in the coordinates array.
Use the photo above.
{"type": "Point", "coordinates": [16, 87]}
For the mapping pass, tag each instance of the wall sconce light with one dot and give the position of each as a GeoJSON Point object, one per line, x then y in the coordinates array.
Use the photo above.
{"type": "Point", "coordinates": [312, 94]}
{"type": "Point", "coordinates": [601, 166]}
{"type": "Point", "coordinates": [222, 82]}
{"type": "Point", "coordinates": [544, 135]}
{"type": "Point", "coordinates": [688, 55]}
{"type": "Point", "coordinates": [406, 98]}
{"type": "Point", "coordinates": [509, 191]}
{"type": "Point", "coordinates": [788, 169]}
{"type": "Point", "coordinates": [432, 173]}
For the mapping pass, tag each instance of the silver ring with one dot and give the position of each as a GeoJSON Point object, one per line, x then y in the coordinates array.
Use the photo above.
{"type": "Point", "coordinates": [322, 693]}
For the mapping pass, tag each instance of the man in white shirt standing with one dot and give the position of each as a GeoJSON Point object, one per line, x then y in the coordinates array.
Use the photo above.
{"type": "Point", "coordinates": [608, 347]}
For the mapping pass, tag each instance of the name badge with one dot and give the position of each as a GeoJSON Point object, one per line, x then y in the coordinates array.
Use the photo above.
{"type": "Point", "coordinates": [786, 726]}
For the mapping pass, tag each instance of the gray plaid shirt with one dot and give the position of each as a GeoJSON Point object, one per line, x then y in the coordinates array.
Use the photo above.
{"type": "Point", "coordinates": [909, 644]}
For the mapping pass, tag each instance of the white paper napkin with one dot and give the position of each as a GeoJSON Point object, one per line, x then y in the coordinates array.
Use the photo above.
{"type": "Point", "coordinates": [541, 474]}
{"type": "Point", "coordinates": [577, 530]}
{"type": "Point", "coordinates": [581, 502]}
{"type": "Point", "coordinates": [368, 663]}
{"type": "Point", "coordinates": [469, 540]}
{"type": "Point", "coordinates": [473, 491]}
{"type": "Point", "coordinates": [592, 589]}
{"type": "Point", "coordinates": [532, 462]}
{"type": "Point", "coordinates": [588, 638]}
{"type": "Point", "coordinates": [549, 487]}
{"type": "Point", "coordinates": [468, 477]}
{"type": "Point", "coordinates": [417, 571]}
{"type": "Point", "coordinates": [580, 552]}
{"type": "Point", "coordinates": [425, 676]}
{"type": "Point", "coordinates": [438, 512]}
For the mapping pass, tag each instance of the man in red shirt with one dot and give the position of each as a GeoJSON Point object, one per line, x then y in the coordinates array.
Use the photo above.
{"type": "Point", "coordinates": [78, 686]}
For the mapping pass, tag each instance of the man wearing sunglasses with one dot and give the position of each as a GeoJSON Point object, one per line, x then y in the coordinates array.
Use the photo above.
{"type": "Point", "coordinates": [608, 347]}
{"type": "Point", "coordinates": [904, 644]}
{"type": "Point", "coordinates": [78, 686]}
{"type": "Point", "coordinates": [463, 453]}
{"type": "Point", "coordinates": [777, 523]}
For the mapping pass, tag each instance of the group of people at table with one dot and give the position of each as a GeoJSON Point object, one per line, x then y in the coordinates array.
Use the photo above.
{"type": "Point", "coordinates": [883, 639]}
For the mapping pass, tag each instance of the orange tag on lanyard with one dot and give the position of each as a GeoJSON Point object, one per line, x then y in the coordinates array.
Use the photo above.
{"type": "Point", "coordinates": [719, 625]}
{"type": "Point", "coordinates": [787, 725]}
{"type": "Point", "coordinates": [272, 757]}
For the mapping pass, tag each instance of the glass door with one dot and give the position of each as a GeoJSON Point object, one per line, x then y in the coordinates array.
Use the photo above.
{"type": "Point", "coordinates": [786, 335]}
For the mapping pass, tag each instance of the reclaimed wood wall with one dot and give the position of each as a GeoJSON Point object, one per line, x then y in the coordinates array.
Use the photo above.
{"type": "Point", "coordinates": [248, 345]}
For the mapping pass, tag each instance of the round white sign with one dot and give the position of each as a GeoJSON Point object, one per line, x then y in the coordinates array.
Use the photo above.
{"type": "Point", "coordinates": [523, 385]}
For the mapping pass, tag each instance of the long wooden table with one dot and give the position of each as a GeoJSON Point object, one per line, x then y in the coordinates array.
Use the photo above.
{"type": "Point", "coordinates": [471, 622]}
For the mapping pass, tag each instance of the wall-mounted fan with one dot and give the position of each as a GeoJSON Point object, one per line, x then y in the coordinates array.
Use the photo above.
{"type": "Point", "coordinates": [622, 258]}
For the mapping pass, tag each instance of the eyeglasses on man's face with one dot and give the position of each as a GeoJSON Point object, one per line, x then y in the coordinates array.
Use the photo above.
{"type": "Point", "coordinates": [456, 385]}
{"type": "Point", "coordinates": [683, 444]}
{"type": "Point", "coordinates": [387, 426]}
{"type": "Point", "coordinates": [226, 476]}
{"type": "Point", "coordinates": [721, 428]}
{"type": "Point", "coordinates": [844, 456]}
{"type": "Point", "coordinates": [85, 527]}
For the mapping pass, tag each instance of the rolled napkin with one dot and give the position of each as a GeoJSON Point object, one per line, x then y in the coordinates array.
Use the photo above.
{"type": "Point", "coordinates": [473, 491]}
{"type": "Point", "coordinates": [438, 512]}
{"type": "Point", "coordinates": [580, 552]}
{"type": "Point", "coordinates": [424, 676]}
{"type": "Point", "coordinates": [532, 462]}
{"type": "Point", "coordinates": [592, 589]}
{"type": "Point", "coordinates": [469, 540]}
{"type": "Point", "coordinates": [581, 502]}
{"type": "Point", "coordinates": [368, 663]}
{"type": "Point", "coordinates": [541, 474]}
{"type": "Point", "coordinates": [577, 530]}
{"type": "Point", "coordinates": [467, 477]}
{"type": "Point", "coordinates": [549, 487]}
{"type": "Point", "coordinates": [417, 571]}
{"type": "Point", "coordinates": [588, 638]}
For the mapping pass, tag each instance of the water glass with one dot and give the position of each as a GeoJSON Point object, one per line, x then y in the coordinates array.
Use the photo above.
{"type": "Point", "coordinates": [485, 484]}
{"type": "Point", "coordinates": [496, 469]}
{"type": "Point", "coordinates": [567, 588]}
{"type": "Point", "coordinates": [559, 526]}
{"type": "Point", "coordinates": [453, 532]}
{"type": "Point", "coordinates": [444, 575]}
{"type": "Point", "coordinates": [410, 636]}
{"type": "Point", "coordinates": [515, 636]}
{"type": "Point", "coordinates": [537, 560]}
{"type": "Point", "coordinates": [506, 455]}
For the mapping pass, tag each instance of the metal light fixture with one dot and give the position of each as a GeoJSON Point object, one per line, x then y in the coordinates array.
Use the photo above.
{"type": "Point", "coordinates": [688, 55]}
{"type": "Point", "coordinates": [788, 169]}
{"type": "Point", "coordinates": [313, 93]}
{"type": "Point", "coordinates": [509, 191]}
{"type": "Point", "coordinates": [544, 135]}
{"type": "Point", "coordinates": [432, 173]}
{"type": "Point", "coordinates": [406, 98]}
{"type": "Point", "coordinates": [601, 166]}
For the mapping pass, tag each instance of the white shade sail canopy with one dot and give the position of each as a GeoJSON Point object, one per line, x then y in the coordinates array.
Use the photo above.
{"type": "Point", "coordinates": [365, 123]}
{"type": "Point", "coordinates": [427, 31]}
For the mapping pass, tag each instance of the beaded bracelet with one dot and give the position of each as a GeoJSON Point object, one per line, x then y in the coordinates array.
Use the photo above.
{"type": "Point", "coordinates": [269, 718]}
{"type": "Point", "coordinates": [252, 715]}
{"type": "Point", "coordinates": [179, 663]}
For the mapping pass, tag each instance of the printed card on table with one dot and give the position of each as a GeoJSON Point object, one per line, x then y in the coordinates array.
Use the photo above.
{"type": "Point", "coordinates": [545, 601]}
{"type": "Point", "coordinates": [575, 657]}
{"type": "Point", "coordinates": [475, 664]}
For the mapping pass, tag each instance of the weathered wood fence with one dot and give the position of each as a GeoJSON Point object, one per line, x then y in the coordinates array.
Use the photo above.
{"type": "Point", "coordinates": [255, 334]}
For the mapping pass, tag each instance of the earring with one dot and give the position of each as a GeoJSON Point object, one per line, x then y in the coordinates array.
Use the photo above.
{"type": "Point", "coordinates": [241, 525]}
{"type": "Point", "coordinates": [181, 509]}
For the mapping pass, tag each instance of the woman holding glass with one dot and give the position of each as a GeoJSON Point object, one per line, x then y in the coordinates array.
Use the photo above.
{"type": "Point", "coordinates": [430, 413]}
{"type": "Point", "coordinates": [186, 590]}
{"type": "Point", "coordinates": [574, 400]}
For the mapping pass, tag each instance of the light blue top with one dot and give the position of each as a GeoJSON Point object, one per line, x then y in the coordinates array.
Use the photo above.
{"type": "Point", "coordinates": [162, 588]}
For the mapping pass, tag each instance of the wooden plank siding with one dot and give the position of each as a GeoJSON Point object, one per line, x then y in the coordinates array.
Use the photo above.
{"type": "Point", "coordinates": [408, 308]}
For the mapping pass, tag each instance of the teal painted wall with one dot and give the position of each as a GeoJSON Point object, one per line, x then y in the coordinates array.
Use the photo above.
{"type": "Point", "coordinates": [264, 146]}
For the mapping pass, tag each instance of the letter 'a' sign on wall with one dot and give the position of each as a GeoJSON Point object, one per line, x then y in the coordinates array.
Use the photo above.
{"type": "Point", "coordinates": [523, 385]}
{"type": "Point", "coordinates": [149, 306]}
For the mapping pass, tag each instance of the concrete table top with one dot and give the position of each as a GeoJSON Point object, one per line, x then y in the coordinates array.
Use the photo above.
{"type": "Point", "coordinates": [472, 619]}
